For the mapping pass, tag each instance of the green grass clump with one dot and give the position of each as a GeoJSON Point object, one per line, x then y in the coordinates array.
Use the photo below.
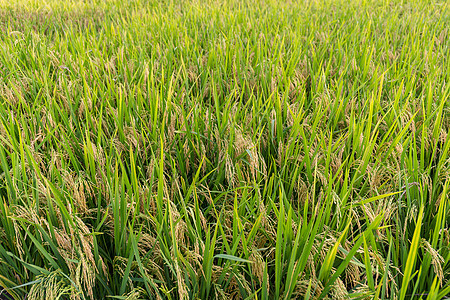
{"type": "Point", "coordinates": [225, 149]}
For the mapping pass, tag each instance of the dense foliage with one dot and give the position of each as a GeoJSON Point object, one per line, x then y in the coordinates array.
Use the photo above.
{"type": "Point", "coordinates": [224, 149]}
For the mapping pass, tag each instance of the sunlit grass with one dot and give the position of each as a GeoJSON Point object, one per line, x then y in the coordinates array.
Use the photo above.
{"type": "Point", "coordinates": [225, 149]}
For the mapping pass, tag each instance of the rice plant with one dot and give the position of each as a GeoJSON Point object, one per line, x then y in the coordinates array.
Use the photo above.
{"type": "Point", "coordinates": [224, 149]}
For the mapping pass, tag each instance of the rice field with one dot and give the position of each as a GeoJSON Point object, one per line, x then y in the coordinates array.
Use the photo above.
{"type": "Point", "coordinates": [224, 149]}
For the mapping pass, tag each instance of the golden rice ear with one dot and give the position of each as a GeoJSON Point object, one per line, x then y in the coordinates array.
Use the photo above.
{"type": "Point", "coordinates": [52, 286]}
{"type": "Point", "coordinates": [257, 266]}
{"type": "Point", "coordinates": [303, 284]}
{"type": "Point", "coordinates": [339, 291]}
{"type": "Point", "coordinates": [182, 287]}
{"type": "Point", "coordinates": [136, 293]}
{"type": "Point", "coordinates": [437, 260]}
